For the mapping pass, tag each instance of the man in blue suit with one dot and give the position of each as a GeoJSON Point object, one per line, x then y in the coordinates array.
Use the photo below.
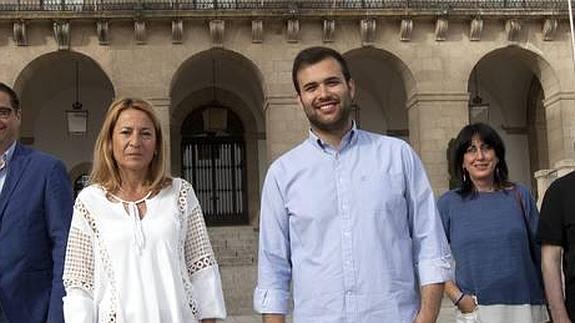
{"type": "Point", "coordinates": [35, 213]}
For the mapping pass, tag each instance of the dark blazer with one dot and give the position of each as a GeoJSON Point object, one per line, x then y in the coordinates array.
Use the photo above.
{"type": "Point", "coordinates": [35, 214]}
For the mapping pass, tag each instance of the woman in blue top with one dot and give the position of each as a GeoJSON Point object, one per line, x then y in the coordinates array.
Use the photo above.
{"type": "Point", "coordinates": [490, 224]}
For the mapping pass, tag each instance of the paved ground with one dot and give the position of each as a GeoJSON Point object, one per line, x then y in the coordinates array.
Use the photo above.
{"type": "Point", "coordinates": [445, 316]}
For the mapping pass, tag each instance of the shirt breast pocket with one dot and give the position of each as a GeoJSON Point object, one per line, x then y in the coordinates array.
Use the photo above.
{"type": "Point", "coordinates": [382, 193]}
{"type": "Point", "coordinates": [383, 207]}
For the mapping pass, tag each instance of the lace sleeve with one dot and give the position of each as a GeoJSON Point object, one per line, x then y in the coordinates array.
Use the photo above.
{"type": "Point", "coordinates": [79, 261]}
{"type": "Point", "coordinates": [206, 296]}
{"type": "Point", "coordinates": [198, 250]}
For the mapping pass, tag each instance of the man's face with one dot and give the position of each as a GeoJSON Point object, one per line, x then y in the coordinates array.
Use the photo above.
{"type": "Point", "coordinates": [9, 121]}
{"type": "Point", "coordinates": [325, 95]}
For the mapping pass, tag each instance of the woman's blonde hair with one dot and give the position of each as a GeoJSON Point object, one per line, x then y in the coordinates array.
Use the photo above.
{"type": "Point", "coordinates": [105, 171]}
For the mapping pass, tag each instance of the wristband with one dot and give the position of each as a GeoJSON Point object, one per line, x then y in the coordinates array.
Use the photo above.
{"type": "Point", "coordinates": [459, 299]}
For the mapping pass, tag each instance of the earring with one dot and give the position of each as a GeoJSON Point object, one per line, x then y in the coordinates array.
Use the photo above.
{"type": "Point", "coordinates": [464, 176]}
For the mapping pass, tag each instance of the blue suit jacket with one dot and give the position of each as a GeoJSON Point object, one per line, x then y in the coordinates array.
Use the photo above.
{"type": "Point", "coordinates": [35, 215]}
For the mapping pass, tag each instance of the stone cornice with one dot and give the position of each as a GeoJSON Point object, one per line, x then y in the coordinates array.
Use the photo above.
{"type": "Point", "coordinates": [417, 98]}
{"type": "Point", "coordinates": [280, 100]}
{"type": "Point", "coordinates": [453, 14]}
{"type": "Point", "coordinates": [558, 96]}
{"type": "Point", "coordinates": [369, 26]}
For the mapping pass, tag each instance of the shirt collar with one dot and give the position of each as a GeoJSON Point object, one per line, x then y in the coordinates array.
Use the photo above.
{"type": "Point", "coordinates": [348, 138]}
{"type": "Point", "coordinates": [7, 156]}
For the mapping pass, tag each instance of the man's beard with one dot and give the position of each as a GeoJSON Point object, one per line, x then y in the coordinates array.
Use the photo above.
{"type": "Point", "coordinates": [339, 123]}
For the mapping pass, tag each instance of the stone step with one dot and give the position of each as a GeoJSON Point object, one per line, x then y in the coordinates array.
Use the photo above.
{"type": "Point", "coordinates": [234, 246]}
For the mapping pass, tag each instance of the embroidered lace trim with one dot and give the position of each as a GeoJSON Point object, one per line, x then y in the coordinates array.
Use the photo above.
{"type": "Point", "coordinates": [195, 246]}
{"type": "Point", "coordinates": [198, 250]}
{"type": "Point", "coordinates": [79, 265]}
{"type": "Point", "coordinates": [104, 256]}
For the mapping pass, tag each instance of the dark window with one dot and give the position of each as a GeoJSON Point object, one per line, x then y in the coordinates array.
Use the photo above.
{"type": "Point", "coordinates": [213, 160]}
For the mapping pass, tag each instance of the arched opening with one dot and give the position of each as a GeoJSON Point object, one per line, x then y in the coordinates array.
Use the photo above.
{"type": "Point", "coordinates": [213, 160]}
{"type": "Point", "coordinates": [382, 86]}
{"type": "Point", "coordinates": [50, 88]}
{"type": "Point", "coordinates": [506, 92]}
{"type": "Point", "coordinates": [212, 84]}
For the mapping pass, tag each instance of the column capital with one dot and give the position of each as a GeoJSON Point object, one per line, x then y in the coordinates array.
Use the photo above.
{"type": "Point", "coordinates": [160, 102]}
{"type": "Point", "coordinates": [280, 101]}
{"type": "Point", "coordinates": [432, 97]}
{"type": "Point", "coordinates": [558, 96]}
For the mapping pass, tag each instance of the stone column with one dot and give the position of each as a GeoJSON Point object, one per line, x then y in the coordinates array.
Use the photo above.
{"type": "Point", "coordinates": [162, 108]}
{"type": "Point", "coordinates": [545, 177]}
{"type": "Point", "coordinates": [560, 115]}
{"type": "Point", "coordinates": [286, 125]}
{"type": "Point", "coordinates": [435, 119]}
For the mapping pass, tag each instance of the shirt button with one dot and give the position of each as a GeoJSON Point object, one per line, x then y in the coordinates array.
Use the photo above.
{"type": "Point", "coordinates": [348, 292]}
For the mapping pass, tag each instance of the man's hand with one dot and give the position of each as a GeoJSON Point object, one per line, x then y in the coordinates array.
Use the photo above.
{"type": "Point", "coordinates": [430, 302]}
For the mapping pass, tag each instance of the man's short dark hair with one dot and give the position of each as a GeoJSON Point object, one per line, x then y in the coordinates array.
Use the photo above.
{"type": "Point", "coordinates": [313, 55]}
{"type": "Point", "coordinates": [13, 96]}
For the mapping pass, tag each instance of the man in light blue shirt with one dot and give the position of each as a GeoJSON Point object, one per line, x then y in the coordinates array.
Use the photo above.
{"type": "Point", "coordinates": [348, 217]}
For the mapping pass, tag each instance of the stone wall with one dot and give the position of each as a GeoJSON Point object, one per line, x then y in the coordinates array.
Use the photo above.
{"type": "Point", "coordinates": [236, 253]}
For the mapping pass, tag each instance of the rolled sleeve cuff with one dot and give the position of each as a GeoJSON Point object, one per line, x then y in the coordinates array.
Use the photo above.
{"type": "Point", "coordinates": [271, 301]}
{"type": "Point", "coordinates": [432, 271]}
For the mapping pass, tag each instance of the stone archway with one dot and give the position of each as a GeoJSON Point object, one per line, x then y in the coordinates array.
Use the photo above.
{"type": "Point", "coordinates": [383, 84]}
{"type": "Point", "coordinates": [512, 84]}
{"type": "Point", "coordinates": [230, 80]}
{"type": "Point", "coordinates": [47, 88]}
{"type": "Point", "coordinates": [219, 79]}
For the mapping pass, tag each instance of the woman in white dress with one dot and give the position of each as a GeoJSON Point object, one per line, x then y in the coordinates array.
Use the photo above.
{"type": "Point", "coordinates": [138, 249]}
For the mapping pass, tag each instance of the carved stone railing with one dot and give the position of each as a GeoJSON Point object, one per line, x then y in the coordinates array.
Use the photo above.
{"type": "Point", "coordinates": [283, 7]}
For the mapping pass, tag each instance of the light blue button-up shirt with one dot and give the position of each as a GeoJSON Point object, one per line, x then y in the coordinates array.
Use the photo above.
{"type": "Point", "coordinates": [6, 158]}
{"type": "Point", "coordinates": [356, 231]}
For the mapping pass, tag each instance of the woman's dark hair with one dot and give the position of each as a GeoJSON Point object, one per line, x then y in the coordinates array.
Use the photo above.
{"type": "Point", "coordinates": [490, 137]}
{"type": "Point", "coordinates": [313, 55]}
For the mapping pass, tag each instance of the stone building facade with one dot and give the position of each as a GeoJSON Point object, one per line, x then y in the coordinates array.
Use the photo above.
{"type": "Point", "coordinates": [219, 75]}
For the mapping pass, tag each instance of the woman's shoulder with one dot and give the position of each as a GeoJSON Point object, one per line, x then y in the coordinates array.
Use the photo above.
{"type": "Point", "coordinates": [523, 190]}
{"type": "Point", "coordinates": [449, 201]}
{"type": "Point", "coordinates": [449, 196]}
{"type": "Point", "coordinates": [180, 184]}
{"type": "Point", "coordinates": [91, 191]}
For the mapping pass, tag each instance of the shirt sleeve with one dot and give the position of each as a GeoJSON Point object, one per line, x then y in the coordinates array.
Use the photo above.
{"type": "Point", "coordinates": [201, 262]}
{"type": "Point", "coordinates": [551, 222]}
{"type": "Point", "coordinates": [78, 274]}
{"type": "Point", "coordinates": [431, 253]}
{"type": "Point", "coordinates": [274, 266]}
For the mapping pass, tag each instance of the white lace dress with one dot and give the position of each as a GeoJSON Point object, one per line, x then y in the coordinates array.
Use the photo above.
{"type": "Point", "coordinates": [160, 269]}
